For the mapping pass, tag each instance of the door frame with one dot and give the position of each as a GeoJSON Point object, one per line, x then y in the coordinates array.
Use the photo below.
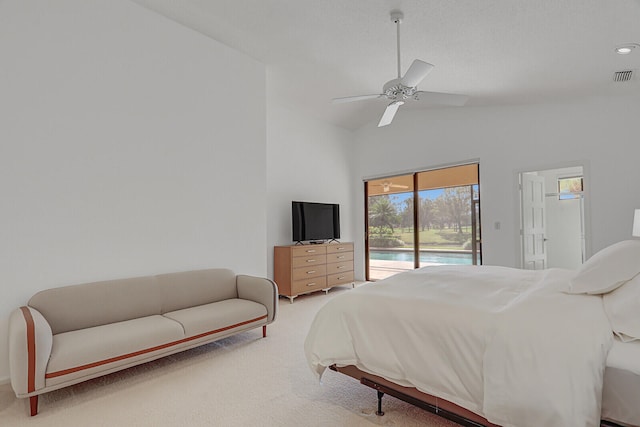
{"type": "Point", "coordinates": [586, 176]}
{"type": "Point", "coordinates": [476, 242]}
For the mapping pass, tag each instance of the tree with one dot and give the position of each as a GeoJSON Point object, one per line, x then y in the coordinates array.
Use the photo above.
{"type": "Point", "coordinates": [456, 202]}
{"type": "Point", "coordinates": [425, 214]}
{"type": "Point", "coordinates": [383, 214]}
{"type": "Point", "coordinates": [406, 215]}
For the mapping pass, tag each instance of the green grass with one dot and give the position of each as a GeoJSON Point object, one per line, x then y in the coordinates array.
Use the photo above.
{"type": "Point", "coordinates": [435, 238]}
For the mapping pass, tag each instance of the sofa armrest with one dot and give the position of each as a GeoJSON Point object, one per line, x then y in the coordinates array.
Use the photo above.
{"type": "Point", "coordinates": [30, 343]}
{"type": "Point", "coordinates": [260, 290]}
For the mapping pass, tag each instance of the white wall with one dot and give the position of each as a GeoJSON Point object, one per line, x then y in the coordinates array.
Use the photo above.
{"type": "Point", "coordinates": [598, 132]}
{"type": "Point", "coordinates": [128, 148]}
{"type": "Point", "coordinates": [307, 160]}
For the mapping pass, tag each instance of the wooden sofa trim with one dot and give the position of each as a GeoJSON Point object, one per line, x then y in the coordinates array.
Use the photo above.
{"type": "Point", "coordinates": [31, 359]}
{"type": "Point", "coordinates": [150, 350]}
{"type": "Point", "coordinates": [31, 349]}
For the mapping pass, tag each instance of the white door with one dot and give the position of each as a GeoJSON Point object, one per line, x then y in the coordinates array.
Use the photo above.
{"type": "Point", "coordinates": [534, 255]}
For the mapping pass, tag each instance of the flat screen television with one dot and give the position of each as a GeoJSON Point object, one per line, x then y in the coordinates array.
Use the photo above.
{"type": "Point", "coordinates": [315, 221]}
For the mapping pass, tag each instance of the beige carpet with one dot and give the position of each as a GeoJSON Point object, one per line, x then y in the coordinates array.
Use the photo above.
{"type": "Point", "coordinates": [239, 381]}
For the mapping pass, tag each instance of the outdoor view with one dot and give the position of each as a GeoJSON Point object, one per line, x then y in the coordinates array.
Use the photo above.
{"type": "Point", "coordinates": [445, 227]}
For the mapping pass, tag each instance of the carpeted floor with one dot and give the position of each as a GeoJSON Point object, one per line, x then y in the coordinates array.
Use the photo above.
{"type": "Point", "coordinates": [243, 380]}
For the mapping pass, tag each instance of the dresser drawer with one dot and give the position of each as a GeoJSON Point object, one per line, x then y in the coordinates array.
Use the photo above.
{"type": "Point", "coordinates": [305, 261]}
{"type": "Point", "coordinates": [309, 285]}
{"type": "Point", "coordinates": [306, 250]}
{"type": "Point", "coordinates": [307, 272]}
{"type": "Point", "coordinates": [342, 247]}
{"type": "Point", "coordinates": [339, 267]}
{"type": "Point", "coordinates": [340, 278]}
{"type": "Point", "coordinates": [340, 256]}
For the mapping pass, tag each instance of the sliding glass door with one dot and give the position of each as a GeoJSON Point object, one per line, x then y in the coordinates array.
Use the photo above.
{"type": "Point", "coordinates": [421, 219]}
{"type": "Point", "coordinates": [390, 226]}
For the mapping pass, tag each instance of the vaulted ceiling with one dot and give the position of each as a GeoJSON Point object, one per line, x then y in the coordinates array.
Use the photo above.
{"type": "Point", "coordinates": [496, 51]}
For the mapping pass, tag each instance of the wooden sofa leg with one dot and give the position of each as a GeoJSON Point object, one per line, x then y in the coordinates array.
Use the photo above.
{"type": "Point", "coordinates": [33, 404]}
{"type": "Point", "coordinates": [264, 331]}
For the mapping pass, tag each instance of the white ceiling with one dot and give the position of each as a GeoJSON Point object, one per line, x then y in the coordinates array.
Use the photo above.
{"type": "Point", "coordinates": [495, 51]}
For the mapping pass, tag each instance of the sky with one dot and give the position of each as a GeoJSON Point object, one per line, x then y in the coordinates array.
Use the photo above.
{"type": "Point", "coordinates": [399, 198]}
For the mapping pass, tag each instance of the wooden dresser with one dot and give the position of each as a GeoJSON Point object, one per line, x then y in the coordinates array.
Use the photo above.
{"type": "Point", "coordinates": [300, 269]}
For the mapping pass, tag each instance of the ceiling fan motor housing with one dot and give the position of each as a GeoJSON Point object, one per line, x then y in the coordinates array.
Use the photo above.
{"type": "Point", "coordinates": [395, 90]}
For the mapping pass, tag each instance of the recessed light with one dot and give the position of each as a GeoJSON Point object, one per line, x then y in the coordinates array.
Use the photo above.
{"type": "Point", "coordinates": [626, 49]}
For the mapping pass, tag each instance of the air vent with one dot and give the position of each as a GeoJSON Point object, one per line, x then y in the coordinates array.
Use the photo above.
{"type": "Point", "coordinates": [623, 76]}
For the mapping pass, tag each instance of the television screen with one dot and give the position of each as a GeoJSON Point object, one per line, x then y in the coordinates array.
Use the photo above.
{"type": "Point", "coordinates": [315, 221]}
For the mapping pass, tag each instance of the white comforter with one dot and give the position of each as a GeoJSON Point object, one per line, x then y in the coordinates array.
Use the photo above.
{"type": "Point", "coordinates": [504, 343]}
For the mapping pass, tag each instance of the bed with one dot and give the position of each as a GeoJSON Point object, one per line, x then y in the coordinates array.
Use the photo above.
{"type": "Point", "coordinates": [494, 345]}
{"type": "Point", "coordinates": [621, 388]}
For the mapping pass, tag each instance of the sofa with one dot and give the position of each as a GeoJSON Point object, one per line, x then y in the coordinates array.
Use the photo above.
{"type": "Point", "coordinates": [70, 334]}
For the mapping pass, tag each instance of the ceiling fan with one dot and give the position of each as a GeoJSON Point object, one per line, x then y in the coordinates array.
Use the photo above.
{"type": "Point", "coordinates": [388, 185]}
{"type": "Point", "coordinates": [405, 87]}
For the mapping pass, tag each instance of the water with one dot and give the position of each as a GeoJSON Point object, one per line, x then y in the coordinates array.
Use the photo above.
{"type": "Point", "coordinates": [425, 257]}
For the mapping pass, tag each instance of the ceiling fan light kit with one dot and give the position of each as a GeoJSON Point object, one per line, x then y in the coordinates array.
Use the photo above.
{"type": "Point", "coordinates": [405, 87]}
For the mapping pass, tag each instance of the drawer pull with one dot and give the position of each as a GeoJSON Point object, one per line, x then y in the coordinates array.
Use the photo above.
{"type": "Point", "coordinates": [310, 251]}
{"type": "Point", "coordinates": [340, 278]}
{"type": "Point", "coordinates": [311, 272]}
{"type": "Point", "coordinates": [339, 267]}
{"type": "Point", "coordinates": [311, 260]}
{"type": "Point", "coordinates": [311, 284]}
{"type": "Point", "coordinates": [340, 257]}
{"type": "Point", "coordinates": [340, 248]}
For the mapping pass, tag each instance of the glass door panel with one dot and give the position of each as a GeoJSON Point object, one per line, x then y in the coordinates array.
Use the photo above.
{"type": "Point", "coordinates": [448, 204]}
{"type": "Point", "coordinates": [390, 226]}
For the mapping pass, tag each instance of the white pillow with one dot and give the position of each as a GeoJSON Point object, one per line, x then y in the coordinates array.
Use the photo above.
{"type": "Point", "coordinates": [623, 310]}
{"type": "Point", "coordinates": [608, 269]}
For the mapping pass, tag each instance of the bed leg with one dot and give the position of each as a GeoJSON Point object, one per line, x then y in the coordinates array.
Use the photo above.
{"type": "Point", "coordinates": [33, 405]}
{"type": "Point", "coordinates": [379, 412]}
{"type": "Point", "coordinates": [264, 331]}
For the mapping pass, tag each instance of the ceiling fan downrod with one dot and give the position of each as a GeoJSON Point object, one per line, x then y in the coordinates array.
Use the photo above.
{"type": "Point", "coordinates": [397, 17]}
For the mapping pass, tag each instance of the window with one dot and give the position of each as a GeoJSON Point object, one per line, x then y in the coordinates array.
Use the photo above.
{"type": "Point", "coordinates": [570, 188]}
{"type": "Point", "coordinates": [420, 219]}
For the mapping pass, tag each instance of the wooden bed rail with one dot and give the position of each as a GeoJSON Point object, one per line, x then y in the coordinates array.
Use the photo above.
{"type": "Point", "coordinates": [413, 396]}
{"type": "Point", "coordinates": [382, 390]}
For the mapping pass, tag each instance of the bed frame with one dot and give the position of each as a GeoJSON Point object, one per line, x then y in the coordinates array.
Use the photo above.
{"type": "Point", "coordinates": [411, 395]}
{"type": "Point", "coordinates": [430, 403]}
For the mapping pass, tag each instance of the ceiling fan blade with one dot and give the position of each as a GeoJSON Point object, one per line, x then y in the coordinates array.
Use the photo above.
{"type": "Point", "coordinates": [389, 113]}
{"type": "Point", "coordinates": [439, 98]}
{"type": "Point", "coordinates": [355, 98]}
{"type": "Point", "coordinates": [416, 73]}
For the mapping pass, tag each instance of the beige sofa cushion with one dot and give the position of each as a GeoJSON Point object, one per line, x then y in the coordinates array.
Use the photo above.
{"type": "Point", "coordinates": [192, 288]}
{"type": "Point", "coordinates": [87, 351]}
{"type": "Point", "coordinates": [93, 304]}
{"type": "Point", "coordinates": [224, 317]}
